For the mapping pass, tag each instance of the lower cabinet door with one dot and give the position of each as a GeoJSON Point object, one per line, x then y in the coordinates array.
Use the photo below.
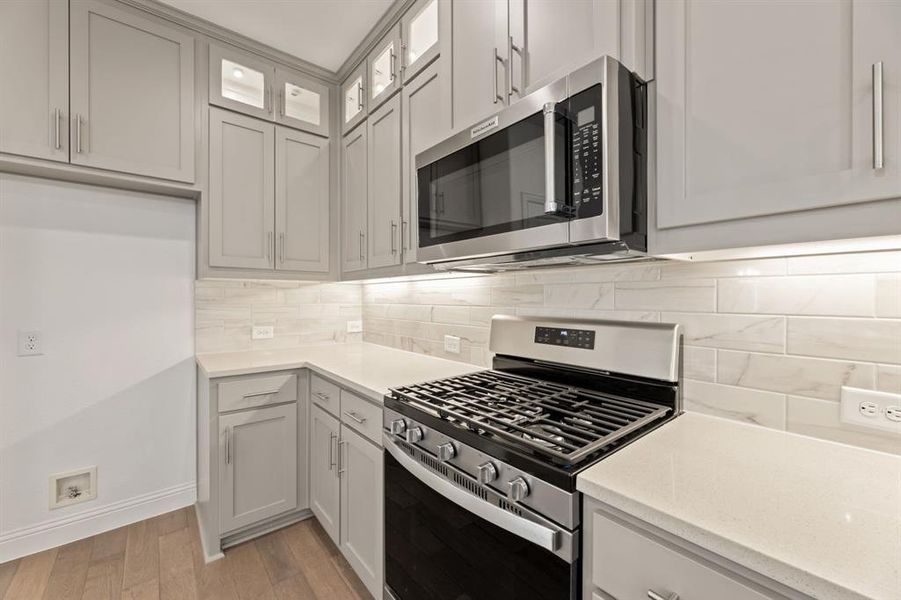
{"type": "Point", "coordinates": [257, 465]}
{"type": "Point", "coordinates": [362, 514]}
{"type": "Point", "coordinates": [324, 484]}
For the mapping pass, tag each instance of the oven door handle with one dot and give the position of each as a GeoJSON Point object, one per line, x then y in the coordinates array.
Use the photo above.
{"type": "Point", "coordinates": [536, 533]}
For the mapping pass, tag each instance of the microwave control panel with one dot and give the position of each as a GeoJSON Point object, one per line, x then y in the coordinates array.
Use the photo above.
{"type": "Point", "coordinates": [585, 110]}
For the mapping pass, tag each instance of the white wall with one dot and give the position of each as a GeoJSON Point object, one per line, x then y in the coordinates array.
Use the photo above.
{"type": "Point", "coordinates": [107, 276]}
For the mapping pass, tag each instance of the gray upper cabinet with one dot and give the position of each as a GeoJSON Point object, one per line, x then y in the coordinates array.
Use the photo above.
{"type": "Point", "coordinates": [242, 191]}
{"type": "Point", "coordinates": [301, 102]}
{"type": "Point", "coordinates": [132, 93]}
{"type": "Point", "coordinates": [426, 112]}
{"type": "Point", "coordinates": [353, 200]}
{"type": "Point", "coordinates": [354, 96]}
{"type": "Point", "coordinates": [362, 528]}
{"type": "Point", "coordinates": [383, 66]}
{"type": "Point", "coordinates": [425, 27]}
{"type": "Point", "coordinates": [479, 48]}
{"type": "Point", "coordinates": [755, 120]}
{"type": "Point", "coordinates": [258, 465]}
{"type": "Point", "coordinates": [34, 66]}
{"type": "Point", "coordinates": [301, 201]}
{"type": "Point", "coordinates": [241, 82]}
{"type": "Point", "coordinates": [384, 189]}
{"type": "Point", "coordinates": [324, 482]}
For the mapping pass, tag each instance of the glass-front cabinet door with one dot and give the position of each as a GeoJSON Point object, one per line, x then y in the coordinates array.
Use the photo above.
{"type": "Point", "coordinates": [353, 102]}
{"type": "Point", "coordinates": [420, 33]}
{"type": "Point", "coordinates": [384, 69]}
{"type": "Point", "coordinates": [240, 82]}
{"type": "Point", "coordinates": [301, 102]}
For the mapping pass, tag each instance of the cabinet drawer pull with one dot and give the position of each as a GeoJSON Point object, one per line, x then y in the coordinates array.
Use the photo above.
{"type": "Point", "coordinates": [354, 416]}
{"type": "Point", "coordinates": [655, 596]}
{"type": "Point", "coordinates": [878, 121]}
{"type": "Point", "coordinates": [258, 394]}
{"type": "Point", "coordinates": [331, 450]}
{"type": "Point", "coordinates": [322, 396]}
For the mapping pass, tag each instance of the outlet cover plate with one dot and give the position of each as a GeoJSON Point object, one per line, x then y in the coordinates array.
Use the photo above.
{"type": "Point", "coordinates": [85, 480]}
{"type": "Point", "coordinates": [29, 343]}
{"type": "Point", "coordinates": [263, 332]}
{"type": "Point", "coordinates": [852, 398]}
{"type": "Point", "coordinates": [452, 344]}
{"type": "Point", "coordinates": [354, 326]}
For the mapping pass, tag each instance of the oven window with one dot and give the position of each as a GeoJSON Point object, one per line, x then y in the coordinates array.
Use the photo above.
{"type": "Point", "coordinates": [438, 551]}
{"type": "Point", "coordinates": [494, 185]}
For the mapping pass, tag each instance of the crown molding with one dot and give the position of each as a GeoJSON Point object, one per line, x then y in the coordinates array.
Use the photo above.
{"type": "Point", "coordinates": [220, 34]}
{"type": "Point", "coordinates": [388, 20]}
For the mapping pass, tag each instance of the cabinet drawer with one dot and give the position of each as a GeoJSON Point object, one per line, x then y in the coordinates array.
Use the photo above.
{"type": "Point", "coordinates": [326, 394]}
{"type": "Point", "coordinates": [362, 415]}
{"type": "Point", "coordinates": [257, 390]}
{"type": "Point", "coordinates": [626, 564]}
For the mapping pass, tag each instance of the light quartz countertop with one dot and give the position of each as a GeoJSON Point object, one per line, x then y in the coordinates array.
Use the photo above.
{"type": "Point", "coordinates": [820, 517]}
{"type": "Point", "coordinates": [368, 369]}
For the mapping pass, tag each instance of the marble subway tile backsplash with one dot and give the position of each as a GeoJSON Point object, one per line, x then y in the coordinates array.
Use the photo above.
{"type": "Point", "coordinates": [767, 341]}
{"type": "Point", "coordinates": [301, 313]}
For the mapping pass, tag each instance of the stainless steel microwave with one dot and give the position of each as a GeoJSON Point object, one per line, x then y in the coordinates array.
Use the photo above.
{"type": "Point", "coordinates": [560, 177]}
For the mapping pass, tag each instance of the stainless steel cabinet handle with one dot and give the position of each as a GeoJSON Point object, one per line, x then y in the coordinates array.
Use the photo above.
{"type": "Point", "coordinates": [360, 95]}
{"type": "Point", "coordinates": [403, 235]}
{"type": "Point", "coordinates": [78, 134]}
{"type": "Point", "coordinates": [495, 58]}
{"type": "Point", "coordinates": [878, 124]}
{"type": "Point", "coordinates": [269, 247]}
{"type": "Point", "coordinates": [282, 102]}
{"type": "Point", "coordinates": [331, 453]}
{"type": "Point", "coordinates": [393, 237]}
{"type": "Point", "coordinates": [342, 467]}
{"type": "Point", "coordinates": [550, 199]}
{"type": "Point", "coordinates": [57, 116]}
{"type": "Point", "coordinates": [258, 394]}
{"type": "Point", "coordinates": [403, 57]}
{"type": "Point", "coordinates": [281, 248]}
{"type": "Point", "coordinates": [269, 99]}
{"type": "Point", "coordinates": [228, 445]}
{"type": "Point", "coordinates": [362, 255]}
{"type": "Point", "coordinates": [321, 395]}
{"type": "Point", "coordinates": [393, 59]}
{"type": "Point", "coordinates": [655, 596]}
{"type": "Point", "coordinates": [522, 61]}
{"type": "Point", "coordinates": [354, 416]}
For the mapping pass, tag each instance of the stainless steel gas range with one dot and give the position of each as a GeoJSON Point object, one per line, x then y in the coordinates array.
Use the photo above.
{"type": "Point", "coordinates": [480, 469]}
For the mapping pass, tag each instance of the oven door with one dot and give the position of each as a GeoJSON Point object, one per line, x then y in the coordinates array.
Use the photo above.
{"type": "Point", "coordinates": [501, 187]}
{"type": "Point", "coordinates": [443, 542]}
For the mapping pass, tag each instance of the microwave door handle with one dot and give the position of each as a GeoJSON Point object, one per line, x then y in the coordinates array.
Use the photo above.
{"type": "Point", "coordinates": [536, 533]}
{"type": "Point", "coordinates": [550, 199]}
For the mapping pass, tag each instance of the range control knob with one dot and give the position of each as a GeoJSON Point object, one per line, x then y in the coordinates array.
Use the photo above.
{"type": "Point", "coordinates": [398, 426]}
{"type": "Point", "coordinates": [446, 451]}
{"type": "Point", "coordinates": [487, 473]}
{"type": "Point", "coordinates": [518, 491]}
{"type": "Point", "coordinates": [414, 435]}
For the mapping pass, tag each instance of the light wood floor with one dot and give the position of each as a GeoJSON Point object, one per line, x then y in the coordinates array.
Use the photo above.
{"type": "Point", "coordinates": [161, 558]}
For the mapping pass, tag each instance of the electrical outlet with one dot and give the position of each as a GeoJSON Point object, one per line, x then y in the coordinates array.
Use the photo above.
{"type": "Point", "coordinates": [263, 332]}
{"type": "Point", "coordinates": [29, 343]}
{"type": "Point", "coordinates": [452, 344]}
{"type": "Point", "coordinates": [354, 326]}
{"type": "Point", "coordinates": [868, 408]}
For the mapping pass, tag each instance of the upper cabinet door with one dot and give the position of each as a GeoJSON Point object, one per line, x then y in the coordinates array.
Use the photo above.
{"type": "Point", "coordinates": [240, 82]}
{"type": "Point", "coordinates": [353, 201]}
{"type": "Point", "coordinates": [384, 68]}
{"type": "Point", "coordinates": [384, 184]}
{"type": "Point", "coordinates": [353, 99]}
{"type": "Point", "coordinates": [242, 190]}
{"type": "Point", "coordinates": [132, 93]}
{"type": "Point", "coordinates": [34, 69]}
{"type": "Point", "coordinates": [422, 32]}
{"type": "Point", "coordinates": [755, 119]}
{"type": "Point", "coordinates": [301, 201]}
{"type": "Point", "coordinates": [425, 108]}
{"type": "Point", "coordinates": [302, 102]}
{"type": "Point", "coordinates": [479, 43]}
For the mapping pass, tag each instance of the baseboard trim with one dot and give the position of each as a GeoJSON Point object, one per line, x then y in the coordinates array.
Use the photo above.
{"type": "Point", "coordinates": [49, 534]}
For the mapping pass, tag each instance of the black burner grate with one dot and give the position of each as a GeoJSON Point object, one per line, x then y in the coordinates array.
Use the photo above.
{"type": "Point", "coordinates": [563, 422]}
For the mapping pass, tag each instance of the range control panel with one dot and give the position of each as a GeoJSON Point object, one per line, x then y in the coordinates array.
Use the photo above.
{"type": "Point", "coordinates": [572, 338]}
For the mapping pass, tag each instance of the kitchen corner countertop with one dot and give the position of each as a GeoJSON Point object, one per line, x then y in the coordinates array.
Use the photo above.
{"type": "Point", "coordinates": [819, 517]}
{"type": "Point", "coordinates": [368, 369]}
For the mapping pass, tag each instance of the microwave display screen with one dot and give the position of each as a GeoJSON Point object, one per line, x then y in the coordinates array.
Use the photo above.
{"type": "Point", "coordinates": [585, 116]}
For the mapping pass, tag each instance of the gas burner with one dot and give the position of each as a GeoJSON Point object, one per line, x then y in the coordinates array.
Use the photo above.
{"type": "Point", "coordinates": [550, 435]}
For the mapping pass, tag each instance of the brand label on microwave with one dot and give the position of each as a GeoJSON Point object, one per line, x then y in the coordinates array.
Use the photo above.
{"type": "Point", "coordinates": [483, 127]}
